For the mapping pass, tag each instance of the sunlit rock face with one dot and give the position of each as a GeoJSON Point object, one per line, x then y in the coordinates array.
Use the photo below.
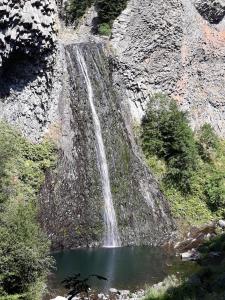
{"type": "Point", "coordinates": [177, 47]}
{"type": "Point", "coordinates": [28, 65]}
{"type": "Point", "coordinates": [26, 26]}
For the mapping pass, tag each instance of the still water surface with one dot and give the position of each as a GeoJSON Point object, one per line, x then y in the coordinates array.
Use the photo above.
{"type": "Point", "coordinates": [125, 268]}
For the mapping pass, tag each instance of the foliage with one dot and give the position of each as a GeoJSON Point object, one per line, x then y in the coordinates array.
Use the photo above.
{"type": "Point", "coordinates": [77, 8]}
{"type": "Point", "coordinates": [215, 191]}
{"type": "Point", "coordinates": [104, 29]}
{"type": "Point", "coordinates": [163, 137]}
{"type": "Point", "coordinates": [107, 10]}
{"type": "Point", "coordinates": [22, 165]}
{"type": "Point", "coordinates": [167, 134]}
{"type": "Point", "coordinates": [23, 248]}
{"type": "Point", "coordinates": [76, 285]}
{"type": "Point", "coordinates": [207, 142]}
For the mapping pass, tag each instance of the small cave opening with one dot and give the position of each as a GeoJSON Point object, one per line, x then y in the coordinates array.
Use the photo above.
{"type": "Point", "coordinates": [17, 72]}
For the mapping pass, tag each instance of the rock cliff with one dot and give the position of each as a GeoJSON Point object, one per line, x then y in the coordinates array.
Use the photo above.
{"type": "Point", "coordinates": [72, 201]}
{"type": "Point", "coordinates": [29, 73]}
{"type": "Point", "coordinates": [177, 47]}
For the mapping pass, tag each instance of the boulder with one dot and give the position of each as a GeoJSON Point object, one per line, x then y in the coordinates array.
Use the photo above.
{"type": "Point", "coordinates": [221, 223]}
{"type": "Point", "coordinates": [191, 255]}
{"type": "Point", "coordinates": [196, 237]}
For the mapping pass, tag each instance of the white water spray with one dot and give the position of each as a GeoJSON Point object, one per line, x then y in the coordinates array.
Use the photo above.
{"type": "Point", "coordinates": [111, 238]}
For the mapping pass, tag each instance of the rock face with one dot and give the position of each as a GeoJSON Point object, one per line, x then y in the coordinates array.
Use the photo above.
{"type": "Point", "coordinates": [177, 47]}
{"type": "Point", "coordinates": [72, 202]}
{"type": "Point", "coordinates": [212, 10]}
{"type": "Point", "coordinates": [26, 26]}
{"type": "Point", "coordinates": [43, 92]}
{"type": "Point", "coordinates": [28, 74]}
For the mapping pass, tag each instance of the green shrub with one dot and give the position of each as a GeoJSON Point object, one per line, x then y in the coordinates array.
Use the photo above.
{"type": "Point", "coordinates": [24, 249]}
{"type": "Point", "coordinates": [190, 167]}
{"type": "Point", "coordinates": [104, 29]}
{"type": "Point", "coordinates": [107, 11]}
{"type": "Point", "coordinates": [207, 142]}
{"type": "Point", "coordinates": [77, 8]}
{"type": "Point", "coordinates": [215, 191]}
{"type": "Point", "coordinates": [167, 134]}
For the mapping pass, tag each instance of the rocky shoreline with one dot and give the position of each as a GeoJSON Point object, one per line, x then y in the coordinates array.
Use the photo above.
{"type": "Point", "coordinates": [113, 294]}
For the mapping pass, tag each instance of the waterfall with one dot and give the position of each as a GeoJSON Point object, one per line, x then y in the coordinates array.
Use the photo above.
{"type": "Point", "coordinates": [111, 238]}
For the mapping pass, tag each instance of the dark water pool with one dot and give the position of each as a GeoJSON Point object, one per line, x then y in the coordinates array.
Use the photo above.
{"type": "Point", "coordinates": [125, 268]}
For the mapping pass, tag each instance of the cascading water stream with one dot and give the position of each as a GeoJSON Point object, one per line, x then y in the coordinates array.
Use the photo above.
{"type": "Point", "coordinates": [111, 238]}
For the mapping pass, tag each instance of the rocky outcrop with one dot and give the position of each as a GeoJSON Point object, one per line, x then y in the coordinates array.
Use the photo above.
{"type": "Point", "coordinates": [29, 71]}
{"type": "Point", "coordinates": [177, 47]}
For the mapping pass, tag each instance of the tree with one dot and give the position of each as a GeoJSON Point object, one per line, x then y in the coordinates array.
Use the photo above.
{"type": "Point", "coordinates": [207, 142]}
{"type": "Point", "coordinates": [23, 249]}
{"type": "Point", "coordinates": [77, 8]}
{"type": "Point", "coordinates": [167, 134]}
{"type": "Point", "coordinates": [108, 11]}
{"type": "Point", "coordinates": [214, 190]}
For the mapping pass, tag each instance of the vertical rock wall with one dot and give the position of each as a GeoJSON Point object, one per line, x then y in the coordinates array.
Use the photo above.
{"type": "Point", "coordinates": [72, 202]}
{"type": "Point", "coordinates": [177, 47]}
{"type": "Point", "coordinates": [29, 65]}
{"type": "Point", "coordinates": [42, 92]}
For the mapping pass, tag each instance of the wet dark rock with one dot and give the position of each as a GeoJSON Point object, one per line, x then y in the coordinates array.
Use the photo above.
{"type": "Point", "coordinates": [71, 202]}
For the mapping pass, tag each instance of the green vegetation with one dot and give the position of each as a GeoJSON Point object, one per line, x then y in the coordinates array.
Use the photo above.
{"type": "Point", "coordinates": [104, 29]}
{"type": "Point", "coordinates": [24, 259]}
{"type": "Point", "coordinates": [77, 8]}
{"type": "Point", "coordinates": [107, 10]}
{"type": "Point", "coordinates": [207, 283]}
{"type": "Point", "coordinates": [166, 133]}
{"type": "Point", "coordinates": [190, 166]}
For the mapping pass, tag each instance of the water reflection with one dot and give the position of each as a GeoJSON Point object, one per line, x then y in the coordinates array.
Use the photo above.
{"type": "Point", "coordinates": [125, 268]}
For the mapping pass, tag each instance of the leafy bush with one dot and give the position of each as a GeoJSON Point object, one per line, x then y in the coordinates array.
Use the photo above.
{"type": "Point", "coordinates": [207, 142]}
{"type": "Point", "coordinates": [190, 167]}
{"type": "Point", "coordinates": [215, 191]}
{"type": "Point", "coordinates": [77, 8]}
{"type": "Point", "coordinates": [23, 248]}
{"type": "Point", "coordinates": [167, 134]}
{"type": "Point", "coordinates": [107, 10]}
{"type": "Point", "coordinates": [104, 29]}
